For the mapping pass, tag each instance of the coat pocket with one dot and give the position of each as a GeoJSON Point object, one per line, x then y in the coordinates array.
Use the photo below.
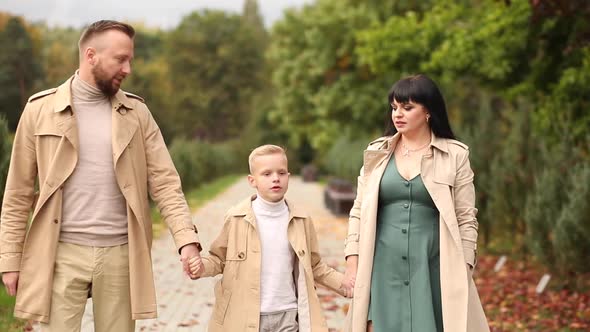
{"type": "Point", "coordinates": [222, 297]}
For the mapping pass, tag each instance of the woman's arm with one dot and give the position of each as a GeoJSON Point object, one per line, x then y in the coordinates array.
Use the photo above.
{"type": "Point", "coordinates": [464, 200]}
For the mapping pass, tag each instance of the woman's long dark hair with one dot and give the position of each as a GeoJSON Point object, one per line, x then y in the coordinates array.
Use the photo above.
{"type": "Point", "coordinates": [422, 90]}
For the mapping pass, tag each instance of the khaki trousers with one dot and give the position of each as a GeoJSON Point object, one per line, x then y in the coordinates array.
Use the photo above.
{"type": "Point", "coordinates": [80, 270]}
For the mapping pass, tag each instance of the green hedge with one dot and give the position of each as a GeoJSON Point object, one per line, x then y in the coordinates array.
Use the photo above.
{"type": "Point", "coordinates": [198, 162]}
{"type": "Point", "coordinates": [345, 158]}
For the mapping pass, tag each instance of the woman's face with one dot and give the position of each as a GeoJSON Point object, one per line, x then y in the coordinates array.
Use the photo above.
{"type": "Point", "coordinates": [409, 117]}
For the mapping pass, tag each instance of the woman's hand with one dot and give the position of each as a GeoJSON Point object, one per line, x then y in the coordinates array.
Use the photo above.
{"type": "Point", "coordinates": [350, 275]}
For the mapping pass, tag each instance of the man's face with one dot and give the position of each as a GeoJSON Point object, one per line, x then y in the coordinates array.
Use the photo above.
{"type": "Point", "coordinates": [270, 176]}
{"type": "Point", "coordinates": [113, 61]}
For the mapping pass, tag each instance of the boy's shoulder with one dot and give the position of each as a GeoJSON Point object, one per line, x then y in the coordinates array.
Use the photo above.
{"type": "Point", "coordinates": [296, 210]}
{"type": "Point", "coordinates": [242, 208]}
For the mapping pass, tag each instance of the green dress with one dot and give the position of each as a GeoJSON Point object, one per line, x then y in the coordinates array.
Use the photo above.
{"type": "Point", "coordinates": [405, 284]}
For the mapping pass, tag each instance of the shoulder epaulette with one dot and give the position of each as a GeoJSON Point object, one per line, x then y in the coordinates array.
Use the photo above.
{"type": "Point", "coordinates": [42, 94]}
{"type": "Point", "coordinates": [463, 145]}
{"type": "Point", "coordinates": [377, 144]}
{"type": "Point", "coordinates": [379, 140]}
{"type": "Point", "coordinates": [134, 96]}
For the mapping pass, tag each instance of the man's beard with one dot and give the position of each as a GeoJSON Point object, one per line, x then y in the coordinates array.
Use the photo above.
{"type": "Point", "coordinates": [103, 82]}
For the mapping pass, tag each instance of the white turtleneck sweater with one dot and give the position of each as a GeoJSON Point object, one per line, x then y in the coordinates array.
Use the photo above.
{"type": "Point", "coordinates": [277, 287]}
{"type": "Point", "coordinates": [94, 211]}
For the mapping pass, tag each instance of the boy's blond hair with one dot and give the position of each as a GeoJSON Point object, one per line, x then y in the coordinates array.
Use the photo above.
{"type": "Point", "coordinates": [264, 150]}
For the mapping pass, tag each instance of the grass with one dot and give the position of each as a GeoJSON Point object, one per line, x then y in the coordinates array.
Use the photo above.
{"type": "Point", "coordinates": [196, 198]}
{"type": "Point", "coordinates": [7, 321]}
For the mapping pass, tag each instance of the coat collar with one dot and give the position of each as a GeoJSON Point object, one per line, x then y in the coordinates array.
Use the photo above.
{"type": "Point", "coordinates": [63, 98]}
{"type": "Point", "coordinates": [244, 209]}
{"type": "Point", "coordinates": [439, 143]}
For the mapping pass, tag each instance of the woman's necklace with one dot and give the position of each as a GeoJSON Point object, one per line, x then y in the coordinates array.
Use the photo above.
{"type": "Point", "coordinates": [406, 150]}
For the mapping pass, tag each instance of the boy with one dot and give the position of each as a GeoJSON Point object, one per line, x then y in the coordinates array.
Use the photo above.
{"type": "Point", "coordinates": [268, 254]}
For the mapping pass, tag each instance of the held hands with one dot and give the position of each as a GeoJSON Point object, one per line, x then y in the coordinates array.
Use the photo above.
{"type": "Point", "coordinates": [196, 267]}
{"type": "Point", "coordinates": [190, 253]}
{"type": "Point", "coordinates": [10, 280]}
{"type": "Point", "coordinates": [350, 276]}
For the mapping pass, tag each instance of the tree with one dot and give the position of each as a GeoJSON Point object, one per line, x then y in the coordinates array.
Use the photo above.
{"type": "Point", "coordinates": [322, 90]}
{"type": "Point", "coordinates": [217, 70]}
{"type": "Point", "coordinates": [19, 69]}
{"type": "Point", "coordinates": [5, 151]}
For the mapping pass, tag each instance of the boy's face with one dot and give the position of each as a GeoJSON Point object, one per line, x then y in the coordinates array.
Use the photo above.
{"type": "Point", "coordinates": [270, 176]}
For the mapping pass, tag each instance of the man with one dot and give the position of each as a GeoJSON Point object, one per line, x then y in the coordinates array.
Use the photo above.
{"type": "Point", "coordinates": [96, 153]}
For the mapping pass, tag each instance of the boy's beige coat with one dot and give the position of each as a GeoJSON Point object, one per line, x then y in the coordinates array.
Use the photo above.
{"type": "Point", "coordinates": [236, 253]}
{"type": "Point", "coordinates": [46, 150]}
{"type": "Point", "coordinates": [448, 178]}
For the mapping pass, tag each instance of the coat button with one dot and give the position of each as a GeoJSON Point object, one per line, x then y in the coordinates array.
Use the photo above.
{"type": "Point", "coordinates": [404, 257]}
{"type": "Point", "coordinates": [241, 255]}
{"type": "Point", "coordinates": [55, 221]}
{"type": "Point", "coordinates": [301, 252]}
{"type": "Point", "coordinates": [406, 183]}
{"type": "Point", "coordinates": [122, 111]}
{"type": "Point", "coordinates": [406, 206]}
{"type": "Point", "coordinates": [406, 282]}
{"type": "Point", "coordinates": [404, 230]}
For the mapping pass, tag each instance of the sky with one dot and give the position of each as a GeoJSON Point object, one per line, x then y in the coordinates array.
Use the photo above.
{"type": "Point", "coordinates": [154, 13]}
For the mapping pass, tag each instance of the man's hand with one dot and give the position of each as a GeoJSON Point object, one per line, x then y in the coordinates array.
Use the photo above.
{"type": "Point", "coordinates": [188, 252]}
{"type": "Point", "coordinates": [10, 280]}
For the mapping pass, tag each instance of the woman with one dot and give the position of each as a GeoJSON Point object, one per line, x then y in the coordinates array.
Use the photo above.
{"type": "Point", "coordinates": [412, 232]}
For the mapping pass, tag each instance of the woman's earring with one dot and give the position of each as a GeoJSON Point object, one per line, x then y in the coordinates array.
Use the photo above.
{"type": "Point", "coordinates": [427, 117]}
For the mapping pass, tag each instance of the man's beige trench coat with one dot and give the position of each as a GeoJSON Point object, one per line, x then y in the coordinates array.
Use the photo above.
{"type": "Point", "coordinates": [46, 149]}
{"type": "Point", "coordinates": [448, 178]}
{"type": "Point", "coordinates": [236, 253]}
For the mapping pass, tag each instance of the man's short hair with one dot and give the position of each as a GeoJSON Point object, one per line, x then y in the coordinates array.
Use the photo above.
{"type": "Point", "coordinates": [264, 150]}
{"type": "Point", "coordinates": [102, 26]}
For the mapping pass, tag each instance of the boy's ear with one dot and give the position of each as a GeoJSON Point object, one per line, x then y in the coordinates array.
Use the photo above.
{"type": "Point", "coordinates": [251, 181]}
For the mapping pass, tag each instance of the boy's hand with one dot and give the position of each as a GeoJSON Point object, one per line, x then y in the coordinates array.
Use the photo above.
{"type": "Point", "coordinates": [188, 252]}
{"type": "Point", "coordinates": [196, 267]}
{"type": "Point", "coordinates": [348, 283]}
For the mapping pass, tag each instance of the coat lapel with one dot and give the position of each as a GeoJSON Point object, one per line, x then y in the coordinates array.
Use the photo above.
{"type": "Point", "coordinates": [124, 124]}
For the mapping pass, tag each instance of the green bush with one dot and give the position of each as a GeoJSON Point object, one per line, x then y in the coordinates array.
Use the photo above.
{"type": "Point", "coordinates": [572, 228]}
{"type": "Point", "coordinates": [345, 158]}
{"type": "Point", "coordinates": [199, 162]}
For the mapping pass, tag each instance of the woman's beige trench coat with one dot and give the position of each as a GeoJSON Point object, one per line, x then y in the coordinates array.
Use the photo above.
{"type": "Point", "coordinates": [448, 177]}
{"type": "Point", "coordinates": [45, 148]}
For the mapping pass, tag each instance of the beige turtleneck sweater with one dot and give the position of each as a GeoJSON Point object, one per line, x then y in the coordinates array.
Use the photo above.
{"type": "Point", "coordinates": [94, 209]}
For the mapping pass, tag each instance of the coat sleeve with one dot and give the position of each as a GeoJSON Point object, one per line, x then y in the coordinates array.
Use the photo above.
{"type": "Point", "coordinates": [165, 188]}
{"type": "Point", "coordinates": [18, 193]}
{"type": "Point", "coordinates": [464, 200]}
{"type": "Point", "coordinates": [351, 243]}
{"type": "Point", "coordinates": [322, 273]}
{"type": "Point", "coordinates": [215, 262]}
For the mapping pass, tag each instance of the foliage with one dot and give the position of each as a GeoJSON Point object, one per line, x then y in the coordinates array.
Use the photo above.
{"type": "Point", "coordinates": [199, 162]}
{"type": "Point", "coordinates": [572, 229]}
{"type": "Point", "coordinates": [345, 158]}
{"type": "Point", "coordinates": [5, 151]}
{"type": "Point", "coordinates": [322, 91]}
{"type": "Point", "coordinates": [216, 67]}
{"type": "Point", "coordinates": [19, 69]}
